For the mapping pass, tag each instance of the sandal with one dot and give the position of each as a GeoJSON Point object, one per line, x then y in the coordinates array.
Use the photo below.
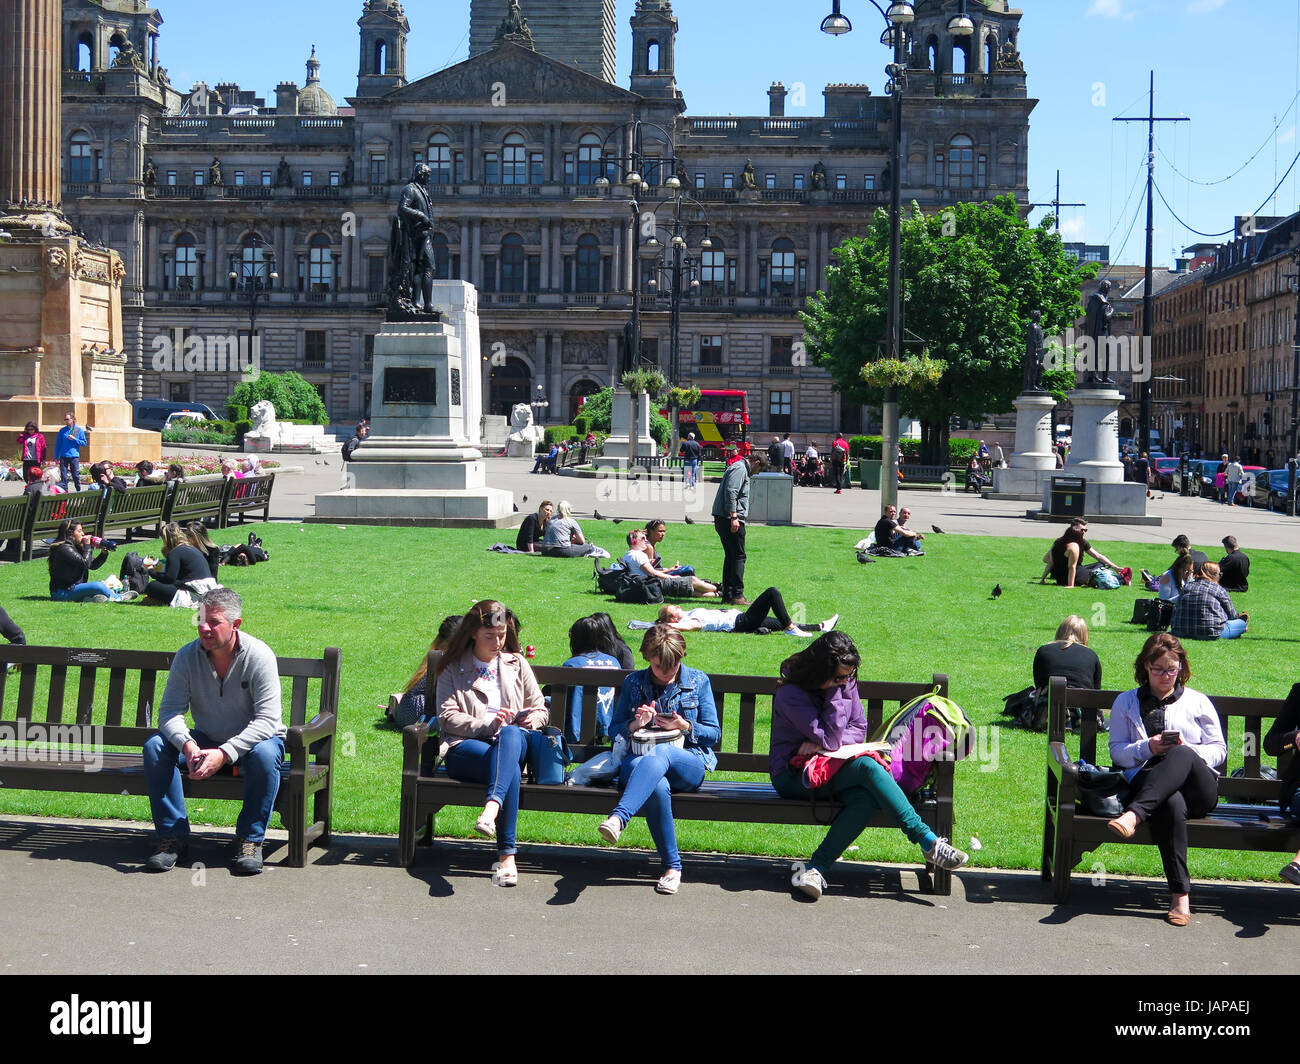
{"type": "Point", "coordinates": [504, 877]}
{"type": "Point", "coordinates": [1120, 828]}
{"type": "Point", "coordinates": [486, 826]}
{"type": "Point", "coordinates": [669, 882]}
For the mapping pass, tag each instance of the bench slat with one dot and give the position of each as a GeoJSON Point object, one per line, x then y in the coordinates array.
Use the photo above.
{"type": "Point", "coordinates": [54, 702]}
{"type": "Point", "coordinates": [86, 694]}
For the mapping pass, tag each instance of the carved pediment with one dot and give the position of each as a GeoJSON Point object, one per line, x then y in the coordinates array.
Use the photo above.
{"type": "Point", "coordinates": [511, 74]}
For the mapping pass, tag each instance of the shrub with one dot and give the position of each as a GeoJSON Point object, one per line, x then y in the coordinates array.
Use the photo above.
{"type": "Point", "coordinates": [290, 393]}
{"type": "Point", "coordinates": [559, 434]}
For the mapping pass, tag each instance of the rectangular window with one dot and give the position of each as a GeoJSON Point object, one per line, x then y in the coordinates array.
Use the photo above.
{"type": "Point", "coordinates": [710, 350]}
{"type": "Point", "coordinates": [458, 166]}
{"type": "Point", "coordinates": [239, 178]}
{"type": "Point", "coordinates": [199, 177]}
{"type": "Point", "coordinates": [378, 169]}
{"type": "Point", "coordinates": [534, 279]}
{"type": "Point", "coordinates": [491, 168]}
{"type": "Point", "coordinates": [780, 406]}
{"type": "Point", "coordinates": [841, 181]}
{"type": "Point", "coordinates": [769, 180]}
{"type": "Point", "coordinates": [699, 181]}
{"type": "Point", "coordinates": [940, 171]}
{"type": "Point", "coordinates": [650, 171]}
{"type": "Point", "coordinates": [306, 179]}
{"type": "Point", "coordinates": [313, 347]}
{"type": "Point", "coordinates": [334, 178]}
{"type": "Point", "coordinates": [982, 172]}
{"type": "Point", "coordinates": [489, 273]}
{"type": "Point", "coordinates": [570, 168]}
{"type": "Point", "coordinates": [536, 168]}
{"type": "Point", "coordinates": [375, 273]}
{"type": "Point", "coordinates": [171, 177]}
{"type": "Point", "coordinates": [266, 178]}
{"type": "Point", "coordinates": [178, 391]}
{"type": "Point", "coordinates": [798, 181]}
{"type": "Point", "coordinates": [868, 181]}
{"type": "Point", "coordinates": [368, 350]}
{"type": "Point", "coordinates": [728, 181]}
{"type": "Point", "coordinates": [781, 356]}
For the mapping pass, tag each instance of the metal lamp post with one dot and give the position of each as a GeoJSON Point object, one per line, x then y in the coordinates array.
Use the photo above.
{"type": "Point", "coordinates": [898, 16]}
{"type": "Point", "coordinates": [256, 276]}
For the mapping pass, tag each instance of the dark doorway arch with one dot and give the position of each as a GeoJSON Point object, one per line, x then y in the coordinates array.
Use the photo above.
{"type": "Point", "coordinates": [579, 391]}
{"type": "Point", "coordinates": [508, 384]}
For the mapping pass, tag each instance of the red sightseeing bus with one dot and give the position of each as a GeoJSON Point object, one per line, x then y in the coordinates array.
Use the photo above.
{"type": "Point", "coordinates": [720, 421]}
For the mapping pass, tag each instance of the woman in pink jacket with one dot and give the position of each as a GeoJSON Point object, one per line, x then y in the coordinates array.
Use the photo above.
{"type": "Point", "coordinates": [487, 699]}
{"type": "Point", "coordinates": [31, 447]}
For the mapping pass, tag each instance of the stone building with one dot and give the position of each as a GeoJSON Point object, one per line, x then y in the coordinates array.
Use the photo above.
{"type": "Point", "coordinates": [267, 225]}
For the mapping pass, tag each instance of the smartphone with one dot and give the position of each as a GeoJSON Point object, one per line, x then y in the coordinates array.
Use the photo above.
{"type": "Point", "coordinates": [1171, 738]}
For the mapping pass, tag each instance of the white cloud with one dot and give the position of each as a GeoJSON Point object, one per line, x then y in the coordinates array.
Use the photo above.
{"type": "Point", "coordinates": [1072, 229]}
{"type": "Point", "coordinates": [1197, 7]}
{"type": "Point", "coordinates": [1111, 9]}
{"type": "Point", "coordinates": [1286, 136]}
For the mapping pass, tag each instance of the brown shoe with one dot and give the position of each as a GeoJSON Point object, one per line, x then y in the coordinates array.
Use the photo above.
{"type": "Point", "coordinates": [1178, 919]}
{"type": "Point", "coordinates": [739, 600]}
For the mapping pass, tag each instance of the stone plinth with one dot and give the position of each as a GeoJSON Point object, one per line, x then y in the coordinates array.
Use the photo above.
{"type": "Point", "coordinates": [1033, 461]}
{"type": "Point", "coordinates": [1123, 500]}
{"type": "Point", "coordinates": [458, 300]}
{"type": "Point", "coordinates": [620, 415]}
{"type": "Point", "coordinates": [418, 467]}
{"type": "Point", "coordinates": [1094, 446]}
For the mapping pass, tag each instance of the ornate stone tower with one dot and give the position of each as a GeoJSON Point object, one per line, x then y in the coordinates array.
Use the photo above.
{"type": "Point", "coordinates": [654, 34]}
{"type": "Point", "coordinates": [384, 30]}
{"type": "Point", "coordinates": [578, 32]}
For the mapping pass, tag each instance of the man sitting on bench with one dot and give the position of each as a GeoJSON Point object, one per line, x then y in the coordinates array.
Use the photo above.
{"type": "Point", "coordinates": [230, 683]}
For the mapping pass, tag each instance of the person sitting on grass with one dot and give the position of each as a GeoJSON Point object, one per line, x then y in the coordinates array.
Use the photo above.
{"type": "Point", "coordinates": [186, 564]}
{"type": "Point", "coordinates": [1234, 567]}
{"type": "Point", "coordinates": [70, 565]}
{"type": "Point", "coordinates": [637, 560]}
{"type": "Point", "coordinates": [409, 706]}
{"type": "Point", "coordinates": [1205, 611]}
{"type": "Point", "coordinates": [767, 613]}
{"type": "Point", "coordinates": [1069, 655]}
{"type": "Point", "coordinates": [196, 532]}
{"type": "Point", "coordinates": [533, 530]}
{"type": "Point", "coordinates": [655, 531]}
{"type": "Point", "coordinates": [1172, 581]}
{"type": "Point", "coordinates": [817, 710]}
{"type": "Point", "coordinates": [907, 539]}
{"type": "Point", "coordinates": [1062, 559]}
{"type": "Point", "coordinates": [563, 536]}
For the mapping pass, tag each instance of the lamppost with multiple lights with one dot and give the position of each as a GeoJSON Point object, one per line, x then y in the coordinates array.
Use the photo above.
{"type": "Point", "coordinates": [252, 277]}
{"type": "Point", "coordinates": [897, 18]}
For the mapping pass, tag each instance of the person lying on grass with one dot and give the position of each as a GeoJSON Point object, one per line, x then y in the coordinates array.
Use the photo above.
{"type": "Point", "coordinates": [767, 613]}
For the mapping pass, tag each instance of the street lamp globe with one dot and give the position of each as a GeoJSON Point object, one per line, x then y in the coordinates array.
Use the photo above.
{"type": "Point", "coordinates": [633, 179]}
{"type": "Point", "coordinates": [961, 25]}
{"type": "Point", "coordinates": [673, 182]}
{"type": "Point", "coordinates": [602, 181]}
{"type": "Point", "coordinates": [835, 23]}
{"type": "Point", "coordinates": [705, 244]}
{"type": "Point", "coordinates": [679, 242]}
{"type": "Point", "coordinates": [900, 13]}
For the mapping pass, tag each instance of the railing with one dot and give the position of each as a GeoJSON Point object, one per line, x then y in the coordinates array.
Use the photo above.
{"type": "Point", "coordinates": [76, 77]}
{"type": "Point", "coordinates": [175, 123]}
{"type": "Point", "coordinates": [179, 191]}
{"type": "Point", "coordinates": [710, 371]}
{"type": "Point", "coordinates": [247, 192]}
{"type": "Point", "coordinates": [969, 82]}
{"type": "Point", "coordinates": [857, 195]}
{"type": "Point", "coordinates": [785, 195]}
{"type": "Point", "coordinates": [267, 122]}
{"type": "Point", "coordinates": [379, 190]}
{"type": "Point", "coordinates": [81, 188]}
{"type": "Point", "coordinates": [715, 195]}
{"type": "Point", "coordinates": [780, 371]}
{"type": "Point", "coordinates": [316, 297]}
{"type": "Point", "coordinates": [317, 192]}
{"type": "Point", "coordinates": [785, 125]}
{"type": "Point", "coordinates": [321, 123]}
{"type": "Point", "coordinates": [714, 125]}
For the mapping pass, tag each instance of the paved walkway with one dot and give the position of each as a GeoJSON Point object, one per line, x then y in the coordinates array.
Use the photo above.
{"type": "Point", "coordinates": [355, 910]}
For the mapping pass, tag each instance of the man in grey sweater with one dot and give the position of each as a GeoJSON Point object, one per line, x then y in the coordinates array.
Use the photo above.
{"type": "Point", "coordinates": [230, 684]}
{"type": "Point", "coordinates": [730, 512]}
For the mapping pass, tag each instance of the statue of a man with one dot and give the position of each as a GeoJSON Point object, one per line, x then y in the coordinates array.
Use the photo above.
{"type": "Point", "coordinates": [214, 172]}
{"type": "Point", "coordinates": [1033, 363]}
{"type": "Point", "coordinates": [819, 177]}
{"type": "Point", "coordinates": [150, 174]}
{"type": "Point", "coordinates": [411, 264]}
{"type": "Point", "coordinates": [1096, 325]}
{"type": "Point", "coordinates": [283, 178]}
{"type": "Point", "coordinates": [748, 182]}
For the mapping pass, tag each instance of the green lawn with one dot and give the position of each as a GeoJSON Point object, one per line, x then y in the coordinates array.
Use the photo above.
{"type": "Point", "coordinates": [378, 595]}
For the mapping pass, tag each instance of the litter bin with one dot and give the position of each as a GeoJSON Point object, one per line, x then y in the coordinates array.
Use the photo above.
{"type": "Point", "coordinates": [869, 473]}
{"type": "Point", "coordinates": [1067, 496]}
{"type": "Point", "coordinates": [771, 499]}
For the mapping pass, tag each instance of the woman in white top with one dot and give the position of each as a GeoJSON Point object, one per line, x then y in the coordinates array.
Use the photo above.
{"type": "Point", "coordinates": [563, 537]}
{"type": "Point", "coordinates": [1167, 739]}
{"type": "Point", "coordinates": [1172, 579]}
{"type": "Point", "coordinates": [703, 619]}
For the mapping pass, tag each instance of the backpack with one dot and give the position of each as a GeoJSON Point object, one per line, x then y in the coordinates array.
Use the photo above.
{"type": "Point", "coordinates": [1027, 710]}
{"type": "Point", "coordinates": [928, 729]}
{"type": "Point", "coordinates": [637, 589]}
{"type": "Point", "coordinates": [133, 574]}
{"type": "Point", "coordinates": [1105, 579]}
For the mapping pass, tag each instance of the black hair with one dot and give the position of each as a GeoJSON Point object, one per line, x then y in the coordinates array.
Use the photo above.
{"type": "Point", "coordinates": [820, 661]}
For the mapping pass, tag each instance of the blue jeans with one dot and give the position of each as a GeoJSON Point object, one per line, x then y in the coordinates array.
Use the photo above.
{"type": "Point", "coordinates": [691, 471]}
{"type": "Point", "coordinates": [70, 467]}
{"type": "Point", "coordinates": [84, 592]}
{"type": "Point", "coordinates": [648, 782]}
{"type": "Point", "coordinates": [1233, 629]}
{"type": "Point", "coordinates": [498, 763]}
{"type": "Point", "coordinates": [259, 769]}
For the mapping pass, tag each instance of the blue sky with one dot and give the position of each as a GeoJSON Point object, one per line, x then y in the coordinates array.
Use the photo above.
{"type": "Point", "coordinates": [1231, 66]}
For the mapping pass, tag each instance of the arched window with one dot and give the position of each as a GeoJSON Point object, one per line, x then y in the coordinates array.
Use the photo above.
{"type": "Point", "coordinates": [932, 53]}
{"type": "Point", "coordinates": [514, 161]}
{"type": "Point", "coordinates": [990, 53]}
{"type": "Point", "coordinates": [588, 159]}
{"type": "Point", "coordinates": [441, 258]}
{"type": "Point", "coordinates": [187, 263]}
{"type": "Point", "coordinates": [81, 159]}
{"type": "Point", "coordinates": [782, 267]}
{"type": "Point", "coordinates": [85, 51]}
{"type": "Point", "coordinates": [713, 270]}
{"type": "Point", "coordinates": [320, 264]}
{"type": "Point", "coordinates": [512, 263]}
{"type": "Point", "coordinates": [587, 277]}
{"type": "Point", "coordinates": [381, 57]}
{"type": "Point", "coordinates": [652, 58]}
{"type": "Point", "coordinates": [960, 56]}
{"type": "Point", "coordinates": [439, 159]}
{"type": "Point", "coordinates": [961, 163]}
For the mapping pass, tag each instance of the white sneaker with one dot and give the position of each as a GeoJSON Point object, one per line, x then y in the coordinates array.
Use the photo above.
{"type": "Point", "coordinates": [829, 624]}
{"type": "Point", "coordinates": [670, 882]}
{"type": "Point", "coordinates": [945, 855]}
{"type": "Point", "coordinates": [809, 881]}
{"type": "Point", "coordinates": [795, 630]}
{"type": "Point", "coordinates": [610, 829]}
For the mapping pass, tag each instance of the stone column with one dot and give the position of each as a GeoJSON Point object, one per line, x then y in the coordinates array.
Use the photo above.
{"type": "Point", "coordinates": [1033, 462]}
{"type": "Point", "coordinates": [30, 115]}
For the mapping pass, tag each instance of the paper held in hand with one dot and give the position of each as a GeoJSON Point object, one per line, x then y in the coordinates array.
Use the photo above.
{"type": "Point", "coordinates": [844, 753]}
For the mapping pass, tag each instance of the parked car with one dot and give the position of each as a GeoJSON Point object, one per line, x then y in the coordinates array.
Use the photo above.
{"type": "Point", "coordinates": [1246, 492]}
{"type": "Point", "coordinates": [152, 413]}
{"type": "Point", "coordinates": [1270, 489]}
{"type": "Point", "coordinates": [184, 419]}
{"type": "Point", "coordinates": [1163, 470]}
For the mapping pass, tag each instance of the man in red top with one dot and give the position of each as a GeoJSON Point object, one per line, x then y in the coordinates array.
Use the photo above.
{"type": "Point", "coordinates": [839, 459]}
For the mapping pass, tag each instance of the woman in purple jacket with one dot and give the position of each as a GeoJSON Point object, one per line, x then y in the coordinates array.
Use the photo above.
{"type": "Point", "coordinates": [817, 709]}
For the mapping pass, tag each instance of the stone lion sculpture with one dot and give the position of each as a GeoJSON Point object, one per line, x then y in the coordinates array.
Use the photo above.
{"type": "Point", "coordinates": [262, 414]}
{"type": "Point", "coordinates": [522, 429]}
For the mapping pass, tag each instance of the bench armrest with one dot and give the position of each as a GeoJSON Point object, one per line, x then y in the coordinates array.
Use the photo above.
{"type": "Point", "coordinates": [301, 736]}
{"type": "Point", "coordinates": [414, 736]}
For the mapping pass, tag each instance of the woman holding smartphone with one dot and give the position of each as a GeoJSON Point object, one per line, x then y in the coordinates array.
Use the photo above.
{"type": "Point", "coordinates": [666, 697]}
{"type": "Point", "coordinates": [487, 699]}
{"type": "Point", "coordinates": [1167, 739]}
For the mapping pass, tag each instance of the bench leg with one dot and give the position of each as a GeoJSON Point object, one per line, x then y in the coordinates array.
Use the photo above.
{"type": "Point", "coordinates": [297, 826]}
{"type": "Point", "coordinates": [322, 808]}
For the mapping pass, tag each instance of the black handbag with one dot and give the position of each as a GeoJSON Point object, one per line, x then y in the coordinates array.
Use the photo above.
{"type": "Point", "coordinates": [1103, 791]}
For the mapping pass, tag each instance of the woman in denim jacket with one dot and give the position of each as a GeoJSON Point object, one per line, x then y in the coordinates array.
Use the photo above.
{"type": "Point", "coordinates": [666, 696]}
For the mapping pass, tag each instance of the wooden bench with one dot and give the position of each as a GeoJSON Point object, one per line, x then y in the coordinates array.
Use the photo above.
{"type": "Point", "coordinates": [140, 507]}
{"type": "Point", "coordinates": [86, 739]}
{"type": "Point", "coordinates": [1069, 831]}
{"type": "Point", "coordinates": [750, 801]}
{"type": "Point", "coordinates": [246, 495]}
{"type": "Point", "coordinates": [924, 474]}
{"type": "Point", "coordinates": [196, 500]}
{"type": "Point", "coordinates": [13, 525]}
{"type": "Point", "coordinates": [49, 511]}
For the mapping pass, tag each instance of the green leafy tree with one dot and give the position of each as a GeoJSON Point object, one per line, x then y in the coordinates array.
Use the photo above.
{"type": "Point", "coordinates": [972, 275]}
{"type": "Point", "coordinates": [290, 393]}
{"type": "Point", "coordinates": [597, 412]}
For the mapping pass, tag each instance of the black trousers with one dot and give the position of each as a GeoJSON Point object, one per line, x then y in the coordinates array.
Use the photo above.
{"type": "Point", "coordinates": [769, 602]}
{"type": "Point", "coordinates": [733, 557]}
{"type": "Point", "coordinates": [1166, 794]}
{"type": "Point", "coordinates": [10, 630]}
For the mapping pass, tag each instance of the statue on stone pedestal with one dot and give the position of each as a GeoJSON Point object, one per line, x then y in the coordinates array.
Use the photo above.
{"type": "Point", "coordinates": [214, 173]}
{"type": "Point", "coordinates": [748, 182]}
{"type": "Point", "coordinates": [1032, 366]}
{"type": "Point", "coordinates": [819, 177]}
{"type": "Point", "coordinates": [1096, 324]}
{"type": "Point", "coordinates": [150, 174]}
{"type": "Point", "coordinates": [410, 253]}
{"type": "Point", "coordinates": [522, 429]}
{"type": "Point", "coordinates": [283, 178]}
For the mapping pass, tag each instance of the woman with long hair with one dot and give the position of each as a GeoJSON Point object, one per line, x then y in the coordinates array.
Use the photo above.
{"type": "Point", "coordinates": [31, 448]}
{"type": "Point", "coordinates": [1065, 557]}
{"type": "Point", "coordinates": [185, 563]}
{"type": "Point", "coordinates": [1168, 740]}
{"type": "Point", "coordinates": [533, 529]}
{"type": "Point", "coordinates": [411, 705]}
{"type": "Point", "coordinates": [589, 648]}
{"type": "Point", "coordinates": [487, 699]}
{"type": "Point", "coordinates": [563, 538]}
{"type": "Point", "coordinates": [817, 710]}
{"type": "Point", "coordinates": [1070, 656]}
{"type": "Point", "coordinates": [197, 534]}
{"type": "Point", "coordinates": [668, 697]}
{"type": "Point", "coordinates": [70, 565]}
